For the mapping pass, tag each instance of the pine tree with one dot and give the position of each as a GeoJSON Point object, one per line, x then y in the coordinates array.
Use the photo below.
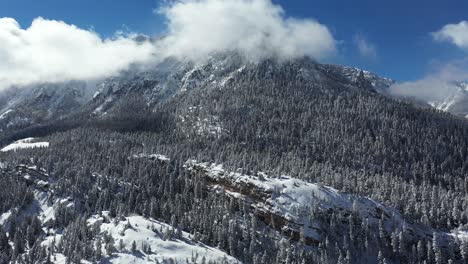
{"type": "Point", "coordinates": [121, 245]}
{"type": "Point", "coordinates": [134, 247]}
{"type": "Point", "coordinates": [110, 249]}
{"type": "Point", "coordinates": [98, 251]}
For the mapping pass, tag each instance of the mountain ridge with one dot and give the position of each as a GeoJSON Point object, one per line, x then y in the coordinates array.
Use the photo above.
{"type": "Point", "coordinates": [158, 83]}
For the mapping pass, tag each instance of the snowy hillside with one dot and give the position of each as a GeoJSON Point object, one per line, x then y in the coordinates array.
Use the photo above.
{"type": "Point", "coordinates": [26, 106]}
{"type": "Point", "coordinates": [140, 240]}
{"type": "Point", "coordinates": [132, 239]}
{"type": "Point", "coordinates": [380, 84]}
{"type": "Point", "coordinates": [292, 198]}
{"type": "Point", "coordinates": [156, 86]}
{"type": "Point", "coordinates": [455, 100]}
{"type": "Point", "coordinates": [152, 87]}
{"type": "Point", "coordinates": [295, 204]}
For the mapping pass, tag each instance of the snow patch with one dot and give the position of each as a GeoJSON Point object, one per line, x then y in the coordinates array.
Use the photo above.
{"type": "Point", "coordinates": [5, 114]}
{"type": "Point", "coordinates": [44, 207]}
{"type": "Point", "coordinates": [25, 144]}
{"type": "Point", "coordinates": [4, 217]}
{"type": "Point", "coordinates": [152, 157]}
{"type": "Point", "coordinates": [460, 234]}
{"type": "Point", "coordinates": [444, 105]}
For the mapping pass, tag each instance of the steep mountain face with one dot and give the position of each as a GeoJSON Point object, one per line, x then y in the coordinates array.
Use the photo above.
{"type": "Point", "coordinates": [380, 84]}
{"type": "Point", "coordinates": [455, 102]}
{"type": "Point", "coordinates": [175, 77]}
{"type": "Point", "coordinates": [149, 87]}
{"type": "Point", "coordinates": [22, 107]}
{"type": "Point", "coordinates": [156, 85]}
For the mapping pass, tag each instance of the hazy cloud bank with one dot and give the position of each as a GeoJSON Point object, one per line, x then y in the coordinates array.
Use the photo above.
{"type": "Point", "coordinates": [442, 82]}
{"type": "Point", "coordinates": [437, 85]}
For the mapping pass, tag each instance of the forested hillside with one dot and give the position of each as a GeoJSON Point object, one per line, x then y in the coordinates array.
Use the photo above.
{"type": "Point", "coordinates": [261, 121]}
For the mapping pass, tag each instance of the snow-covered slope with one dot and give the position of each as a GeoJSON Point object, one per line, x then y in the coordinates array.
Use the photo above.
{"type": "Point", "coordinates": [291, 197]}
{"type": "Point", "coordinates": [24, 144]}
{"type": "Point", "coordinates": [141, 240]}
{"type": "Point", "coordinates": [135, 239]}
{"type": "Point", "coordinates": [155, 86]}
{"type": "Point", "coordinates": [380, 84]}
{"type": "Point", "coordinates": [24, 106]}
{"type": "Point", "coordinates": [151, 87]}
{"type": "Point", "coordinates": [455, 100]}
{"type": "Point", "coordinates": [296, 205]}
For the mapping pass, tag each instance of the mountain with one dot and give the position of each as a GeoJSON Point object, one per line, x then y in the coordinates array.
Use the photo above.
{"type": "Point", "coordinates": [261, 162]}
{"type": "Point", "coordinates": [380, 84]}
{"type": "Point", "coordinates": [175, 77]}
{"type": "Point", "coordinates": [455, 101]}
{"type": "Point", "coordinates": [153, 86]}
{"type": "Point", "coordinates": [22, 107]}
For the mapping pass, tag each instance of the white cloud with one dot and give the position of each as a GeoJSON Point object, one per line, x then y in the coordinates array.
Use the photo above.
{"type": "Point", "coordinates": [365, 48]}
{"type": "Point", "coordinates": [255, 28]}
{"type": "Point", "coordinates": [437, 85]}
{"type": "Point", "coordinates": [454, 33]}
{"type": "Point", "coordinates": [441, 83]}
{"type": "Point", "coordinates": [53, 51]}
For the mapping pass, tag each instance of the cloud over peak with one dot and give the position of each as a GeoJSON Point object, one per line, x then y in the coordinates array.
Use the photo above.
{"type": "Point", "coordinates": [437, 85]}
{"type": "Point", "coordinates": [254, 28]}
{"type": "Point", "coordinates": [457, 34]}
{"type": "Point", "coordinates": [53, 51]}
{"type": "Point", "coordinates": [443, 81]}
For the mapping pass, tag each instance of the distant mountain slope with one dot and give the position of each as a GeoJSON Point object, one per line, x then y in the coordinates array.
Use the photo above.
{"type": "Point", "coordinates": [148, 87]}
{"type": "Point", "coordinates": [380, 84]}
{"type": "Point", "coordinates": [151, 86]}
{"type": "Point", "coordinates": [26, 106]}
{"type": "Point", "coordinates": [455, 102]}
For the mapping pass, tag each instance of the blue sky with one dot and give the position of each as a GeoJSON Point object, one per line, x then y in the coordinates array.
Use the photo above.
{"type": "Point", "coordinates": [398, 30]}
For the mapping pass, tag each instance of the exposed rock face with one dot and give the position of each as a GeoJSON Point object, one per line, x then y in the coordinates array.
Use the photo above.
{"type": "Point", "coordinates": [298, 209]}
